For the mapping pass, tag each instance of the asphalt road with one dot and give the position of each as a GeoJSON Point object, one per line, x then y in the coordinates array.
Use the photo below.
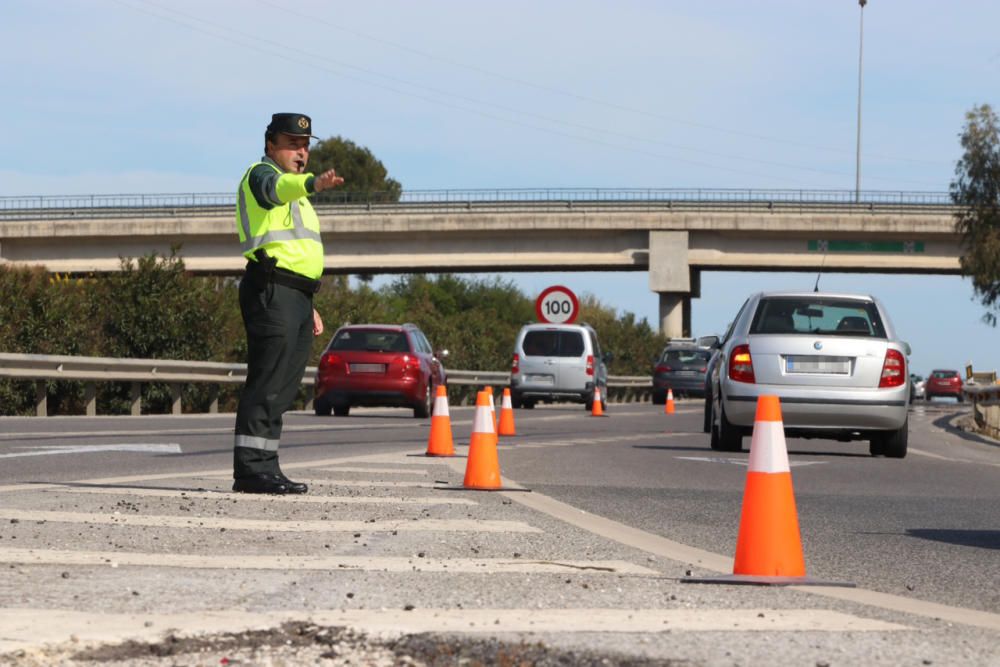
{"type": "Point", "coordinates": [107, 518]}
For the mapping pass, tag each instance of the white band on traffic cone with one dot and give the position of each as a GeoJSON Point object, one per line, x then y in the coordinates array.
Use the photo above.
{"type": "Point", "coordinates": [482, 423]}
{"type": "Point", "coordinates": [441, 407]}
{"type": "Point", "coordinates": [767, 448]}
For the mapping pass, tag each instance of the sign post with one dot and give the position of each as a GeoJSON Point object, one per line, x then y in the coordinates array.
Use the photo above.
{"type": "Point", "coordinates": [557, 305]}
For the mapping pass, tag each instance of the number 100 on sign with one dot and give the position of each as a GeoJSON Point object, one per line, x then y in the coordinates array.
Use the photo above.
{"type": "Point", "coordinates": [557, 305]}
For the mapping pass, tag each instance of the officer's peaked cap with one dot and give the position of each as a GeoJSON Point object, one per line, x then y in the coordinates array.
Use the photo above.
{"type": "Point", "coordinates": [295, 124]}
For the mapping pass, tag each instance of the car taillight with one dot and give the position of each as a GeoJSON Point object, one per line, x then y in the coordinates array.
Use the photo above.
{"type": "Point", "coordinates": [660, 370]}
{"type": "Point", "coordinates": [515, 365]}
{"type": "Point", "coordinates": [893, 370]}
{"type": "Point", "coordinates": [410, 363]}
{"type": "Point", "coordinates": [590, 364]}
{"type": "Point", "coordinates": [741, 365]}
{"type": "Point", "coordinates": [329, 360]}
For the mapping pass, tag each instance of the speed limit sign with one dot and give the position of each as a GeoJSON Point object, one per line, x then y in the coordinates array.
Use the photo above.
{"type": "Point", "coordinates": [557, 305]}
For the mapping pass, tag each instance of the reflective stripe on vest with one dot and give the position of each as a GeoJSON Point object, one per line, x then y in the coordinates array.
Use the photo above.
{"type": "Point", "coordinates": [298, 247]}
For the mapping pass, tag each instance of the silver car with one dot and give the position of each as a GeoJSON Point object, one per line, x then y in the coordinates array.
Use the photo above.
{"type": "Point", "coordinates": [556, 363]}
{"type": "Point", "coordinates": [834, 360]}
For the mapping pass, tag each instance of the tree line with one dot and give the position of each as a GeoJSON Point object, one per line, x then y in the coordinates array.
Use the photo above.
{"type": "Point", "coordinates": [154, 308]}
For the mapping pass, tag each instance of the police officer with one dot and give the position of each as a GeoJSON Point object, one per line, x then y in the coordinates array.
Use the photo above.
{"type": "Point", "coordinates": [279, 235]}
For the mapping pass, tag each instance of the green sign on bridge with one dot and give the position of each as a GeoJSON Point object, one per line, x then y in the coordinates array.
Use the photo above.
{"type": "Point", "coordinates": [867, 246]}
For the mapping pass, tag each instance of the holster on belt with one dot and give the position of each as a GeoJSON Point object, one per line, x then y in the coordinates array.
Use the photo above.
{"type": "Point", "coordinates": [266, 271]}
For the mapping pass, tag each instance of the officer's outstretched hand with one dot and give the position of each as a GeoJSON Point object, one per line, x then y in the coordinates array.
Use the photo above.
{"type": "Point", "coordinates": [317, 323]}
{"type": "Point", "coordinates": [327, 180]}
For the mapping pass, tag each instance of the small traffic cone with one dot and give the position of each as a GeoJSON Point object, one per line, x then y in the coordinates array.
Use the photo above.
{"type": "Point", "coordinates": [506, 425]}
{"type": "Point", "coordinates": [483, 468]}
{"type": "Point", "coordinates": [668, 407]}
{"type": "Point", "coordinates": [769, 544]}
{"type": "Point", "coordinates": [440, 442]}
{"type": "Point", "coordinates": [596, 409]}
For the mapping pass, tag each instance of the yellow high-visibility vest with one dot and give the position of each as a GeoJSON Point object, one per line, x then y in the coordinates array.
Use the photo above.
{"type": "Point", "coordinates": [289, 232]}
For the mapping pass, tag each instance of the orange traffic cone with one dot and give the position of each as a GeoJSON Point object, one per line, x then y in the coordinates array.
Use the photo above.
{"type": "Point", "coordinates": [597, 409]}
{"type": "Point", "coordinates": [506, 425]}
{"type": "Point", "coordinates": [769, 547]}
{"type": "Point", "coordinates": [668, 407]}
{"type": "Point", "coordinates": [440, 442]}
{"type": "Point", "coordinates": [483, 468]}
{"type": "Point", "coordinates": [769, 544]}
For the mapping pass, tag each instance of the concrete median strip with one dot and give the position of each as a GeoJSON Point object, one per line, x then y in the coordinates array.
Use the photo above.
{"type": "Point", "coordinates": [282, 526]}
{"type": "Point", "coordinates": [23, 629]}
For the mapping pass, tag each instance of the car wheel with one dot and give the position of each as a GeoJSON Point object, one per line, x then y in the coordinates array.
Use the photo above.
{"type": "Point", "coordinates": [659, 399]}
{"type": "Point", "coordinates": [961, 398]}
{"type": "Point", "coordinates": [707, 421]}
{"type": "Point", "coordinates": [423, 411]}
{"type": "Point", "coordinates": [342, 410]}
{"type": "Point", "coordinates": [321, 407]}
{"type": "Point", "coordinates": [515, 401]}
{"type": "Point", "coordinates": [891, 443]}
{"type": "Point", "coordinates": [730, 437]}
{"type": "Point", "coordinates": [529, 405]}
{"type": "Point", "coordinates": [713, 442]}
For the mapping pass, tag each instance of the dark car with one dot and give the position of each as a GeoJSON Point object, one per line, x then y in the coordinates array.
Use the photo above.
{"type": "Point", "coordinates": [944, 383]}
{"type": "Point", "coordinates": [680, 368]}
{"type": "Point", "coordinates": [378, 365]}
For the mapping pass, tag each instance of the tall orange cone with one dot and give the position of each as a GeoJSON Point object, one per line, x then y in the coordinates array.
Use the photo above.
{"type": "Point", "coordinates": [597, 409]}
{"type": "Point", "coordinates": [440, 442]}
{"type": "Point", "coordinates": [769, 544]}
{"type": "Point", "coordinates": [506, 425]}
{"type": "Point", "coordinates": [769, 547]}
{"type": "Point", "coordinates": [668, 407]}
{"type": "Point", "coordinates": [483, 468]}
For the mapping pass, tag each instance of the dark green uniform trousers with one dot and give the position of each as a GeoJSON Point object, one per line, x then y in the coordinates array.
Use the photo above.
{"type": "Point", "coordinates": [279, 326]}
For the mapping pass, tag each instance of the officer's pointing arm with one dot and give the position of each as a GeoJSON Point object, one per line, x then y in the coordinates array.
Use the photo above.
{"type": "Point", "coordinates": [327, 180]}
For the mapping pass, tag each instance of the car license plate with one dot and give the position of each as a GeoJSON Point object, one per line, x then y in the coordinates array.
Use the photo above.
{"type": "Point", "coordinates": [540, 379]}
{"type": "Point", "coordinates": [368, 368]}
{"type": "Point", "coordinates": [812, 364]}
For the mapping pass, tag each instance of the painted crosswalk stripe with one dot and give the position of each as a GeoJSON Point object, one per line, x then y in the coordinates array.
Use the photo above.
{"type": "Point", "coordinates": [28, 628]}
{"type": "Point", "coordinates": [311, 499]}
{"type": "Point", "coordinates": [333, 562]}
{"type": "Point", "coordinates": [166, 521]}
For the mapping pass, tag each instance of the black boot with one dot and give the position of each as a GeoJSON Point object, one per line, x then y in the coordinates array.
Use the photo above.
{"type": "Point", "coordinates": [293, 487]}
{"type": "Point", "coordinates": [263, 483]}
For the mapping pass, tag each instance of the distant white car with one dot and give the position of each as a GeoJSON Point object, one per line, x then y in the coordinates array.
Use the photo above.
{"type": "Point", "coordinates": [917, 386]}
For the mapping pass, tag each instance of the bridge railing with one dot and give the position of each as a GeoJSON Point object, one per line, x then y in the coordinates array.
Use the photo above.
{"type": "Point", "coordinates": [43, 368]}
{"type": "Point", "coordinates": [535, 199]}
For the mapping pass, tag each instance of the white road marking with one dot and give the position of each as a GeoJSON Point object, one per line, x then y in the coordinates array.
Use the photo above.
{"type": "Point", "coordinates": [382, 471]}
{"type": "Point", "coordinates": [950, 459]}
{"type": "Point", "coordinates": [323, 563]}
{"type": "Point", "coordinates": [49, 450]}
{"type": "Point", "coordinates": [25, 629]}
{"type": "Point", "coordinates": [743, 462]}
{"type": "Point", "coordinates": [312, 498]}
{"type": "Point", "coordinates": [354, 482]}
{"type": "Point", "coordinates": [288, 428]}
{"type": "Point", "coordinates": [283, 526]}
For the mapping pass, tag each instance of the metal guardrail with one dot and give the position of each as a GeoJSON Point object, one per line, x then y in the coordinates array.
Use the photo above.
{"type": "Point", "coordinates": [416, 202]}
{"type": "Point", "coordinates": [92, 370]}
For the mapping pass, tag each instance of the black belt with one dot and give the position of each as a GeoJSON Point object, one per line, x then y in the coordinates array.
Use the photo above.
{"type": "Point", "coordinates": [280, 276]}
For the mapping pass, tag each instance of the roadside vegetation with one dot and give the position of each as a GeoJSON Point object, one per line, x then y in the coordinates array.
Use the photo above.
{"type": "Point", "coordinates": [155, 309]}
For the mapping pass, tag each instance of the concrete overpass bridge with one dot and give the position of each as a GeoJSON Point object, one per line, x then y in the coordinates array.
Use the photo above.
{"type": "Point", "coordinates": [674, 235]}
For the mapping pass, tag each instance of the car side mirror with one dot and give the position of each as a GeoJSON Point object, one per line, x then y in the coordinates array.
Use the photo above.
{"type": "Point", "coordinates": [907, 349]}
{"type": "Point", "coordinates": [711, 342]}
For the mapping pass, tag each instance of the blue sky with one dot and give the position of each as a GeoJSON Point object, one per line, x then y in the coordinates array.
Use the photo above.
{"type": "Point", "coordinates": [127, 96]}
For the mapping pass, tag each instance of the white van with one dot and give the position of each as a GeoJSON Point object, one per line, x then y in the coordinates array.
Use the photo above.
{"type": "Point", "coordinates": [557, 362]}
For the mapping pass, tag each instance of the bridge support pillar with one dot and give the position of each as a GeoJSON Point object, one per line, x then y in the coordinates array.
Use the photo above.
{"type": "Point", "coordinates": [670, 276]}
{"type": "Point", "coordinates": [675, 314]}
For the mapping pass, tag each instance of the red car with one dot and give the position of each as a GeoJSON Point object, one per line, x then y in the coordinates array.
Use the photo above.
{"type": "Point", "coordinates": [378, 365]}
{"type": "Point", "coordinates": [944, 383]}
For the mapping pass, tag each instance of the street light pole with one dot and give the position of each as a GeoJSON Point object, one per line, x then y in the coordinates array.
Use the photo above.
{"type": "Point", "coordinates": [861, 51]}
